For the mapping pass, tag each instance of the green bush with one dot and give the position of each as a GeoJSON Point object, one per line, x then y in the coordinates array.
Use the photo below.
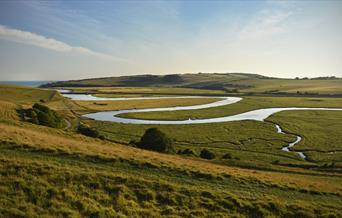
{"type": "Point", "coordinates": [155, 140]}
{"type": "Point", "coordinates": [41, 107]}
{"type": "Point", "coordinates": [186, 151]}
{"type": "Point", "coordinates": [87, 131]}
{"type": "Point", "coordinates": [33, 117]}
{"type": "Point", "coordinates": [227, 156]}
{"type": "Point", "coordinates": [276, 162]}
{"type": "Point", "coordinates": [206, 154]}
{"type": "Point", "coordinates": [42, 115]}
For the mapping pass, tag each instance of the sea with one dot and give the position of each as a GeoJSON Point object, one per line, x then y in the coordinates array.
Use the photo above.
{"type": "Point", "coordinates": [26, 83]}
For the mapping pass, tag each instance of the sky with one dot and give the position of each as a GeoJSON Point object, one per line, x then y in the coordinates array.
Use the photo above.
{"type": "Point", "coordinates": [63, 40]}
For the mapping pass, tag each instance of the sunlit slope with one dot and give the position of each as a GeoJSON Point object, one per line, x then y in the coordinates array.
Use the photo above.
{"type": "Point", "coordinates": [24, 97]}
{"type": "Point", "coordinates": [8, 110]}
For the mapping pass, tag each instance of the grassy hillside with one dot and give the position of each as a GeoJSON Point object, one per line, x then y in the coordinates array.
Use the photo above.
{"type": "Point", "coordinates": [26, 95]}
{"type": "Point", "coordinates": [14, 99]}
{"type": "Point", "coordinates": [54, 173]}
{"type": "Point", "coordinates": [236, 83]}
{"type": "Point", "coordinates": [51, 172]}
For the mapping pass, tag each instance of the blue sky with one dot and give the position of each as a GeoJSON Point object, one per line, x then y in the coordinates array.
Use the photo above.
{"type": "Point", "coordinates": [61, 40]}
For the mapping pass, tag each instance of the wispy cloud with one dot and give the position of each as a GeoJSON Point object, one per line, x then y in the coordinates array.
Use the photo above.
{"type": "Point", "coordinates": [49, 43]}
{"type": "Point", "coordinates": [266, 23]}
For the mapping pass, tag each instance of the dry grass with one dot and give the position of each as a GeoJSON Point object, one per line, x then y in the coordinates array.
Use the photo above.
{"type": "Point", "coordinates": [8, 110]}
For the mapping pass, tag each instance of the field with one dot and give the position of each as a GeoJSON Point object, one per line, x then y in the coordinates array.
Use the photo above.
{"type": "Point", "coordinates": [91, 106]}
{"type": "Point", "coordinates": [294, 86]}
{"type": "Point", "coordinates": [58, 172]}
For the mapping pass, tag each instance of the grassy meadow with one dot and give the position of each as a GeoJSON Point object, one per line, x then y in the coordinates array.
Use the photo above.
{"type": "Point", "coordinates": [51, 172]}
{"type": "Point", "coordinates": [91, 106]}
{"type": "Point", "coordinates": [246, 104]}
{"type": "Point", "coordinates": [320, 132]}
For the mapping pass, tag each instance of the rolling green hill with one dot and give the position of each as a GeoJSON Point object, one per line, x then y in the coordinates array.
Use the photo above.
{"type": "Point", "coordinates": [229, 83]}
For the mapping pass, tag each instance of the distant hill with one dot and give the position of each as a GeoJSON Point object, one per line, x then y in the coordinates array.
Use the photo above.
{"type": "Point", "coordinates": [230, 82]}
{"type": "Point", "coordinates": [180, 80]}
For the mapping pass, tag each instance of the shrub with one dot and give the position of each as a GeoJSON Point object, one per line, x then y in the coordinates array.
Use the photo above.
{"type": "Point", "coordinates": [42, 115]}
{"type": "Point", "coordinates": [87, 131]}
{"type": "Point", "coordinates": [40, 107]}
{"type": "Point", "coordinates": [206, 154]}
{"type": "Point", "coordinates": [227, 156]}
{"type": "Point", "coordinates": [33, 117]}
{"type": "Point", "coordinates": [186, 151]}
{"type": "Point", "coordinates": [154, 139]}
{"type": "Point", "coordinates": [46, 119]}
{"type": "Point", "coordinates": [276, 162]}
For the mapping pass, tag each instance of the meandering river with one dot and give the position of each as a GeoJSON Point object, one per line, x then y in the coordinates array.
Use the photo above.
{"type": "Point", "coordinates": [259, 115]}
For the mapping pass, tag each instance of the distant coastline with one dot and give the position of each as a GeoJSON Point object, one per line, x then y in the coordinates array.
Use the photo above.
{"type": "Point", "coordinates": [26, 83]}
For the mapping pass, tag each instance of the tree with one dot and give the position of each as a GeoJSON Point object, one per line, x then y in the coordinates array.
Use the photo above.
{"type": "Point", "coordinates": [154, 139]}
{"type": "Point", "coordinates": [206, 154]}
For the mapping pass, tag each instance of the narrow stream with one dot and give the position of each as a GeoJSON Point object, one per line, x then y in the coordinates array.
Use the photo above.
{"type": "Point", "coordinates": [287, 148]}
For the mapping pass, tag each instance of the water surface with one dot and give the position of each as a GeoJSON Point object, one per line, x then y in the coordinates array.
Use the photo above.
{"type": "Point", "coordinates": [258, 115]}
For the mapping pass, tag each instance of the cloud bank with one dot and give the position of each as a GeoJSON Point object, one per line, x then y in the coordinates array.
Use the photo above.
{"type": "Point", "coordinates": [30, 38]}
